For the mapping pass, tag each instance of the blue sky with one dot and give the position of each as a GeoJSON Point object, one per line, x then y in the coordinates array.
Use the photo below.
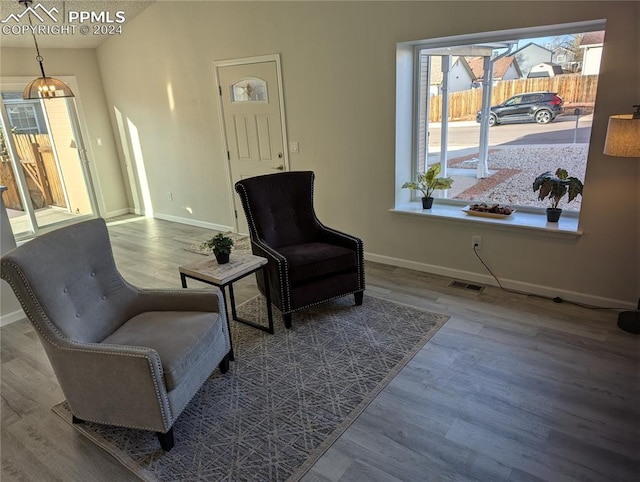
{"type": "Point", "coordinates": [542, 41]}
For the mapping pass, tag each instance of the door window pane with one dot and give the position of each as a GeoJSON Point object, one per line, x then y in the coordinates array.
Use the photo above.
{"type": "Point", "coordinates": [249, 90]}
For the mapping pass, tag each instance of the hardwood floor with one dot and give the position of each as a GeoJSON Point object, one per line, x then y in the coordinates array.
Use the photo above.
{"type": "Point", "coordinates": [512, 388]}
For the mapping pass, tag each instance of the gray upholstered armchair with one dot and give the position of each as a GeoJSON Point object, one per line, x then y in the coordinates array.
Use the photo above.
{"type": "Point", "coordinates": [309, 263]}
{"type": "Point", "coordinates": [123, 355]}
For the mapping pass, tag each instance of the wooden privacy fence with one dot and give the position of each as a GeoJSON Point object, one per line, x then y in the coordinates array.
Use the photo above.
{"type": "Point", "coordinates": [463, 105]}
{"type": "Point", "coordinates": [11, 196]}
{"type": "Point", "coordinates": [40, 169]}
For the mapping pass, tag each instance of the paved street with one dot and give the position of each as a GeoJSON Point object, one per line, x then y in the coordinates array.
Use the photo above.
{"type": "Point", "coordinates": [560, 131]}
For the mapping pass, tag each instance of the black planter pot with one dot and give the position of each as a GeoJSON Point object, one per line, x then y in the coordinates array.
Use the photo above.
{"type": "Point", "coordinates": [553, 214]}
{"type": "Point", "coordinates": [427, 202]}
{"type": "Point", "coordinates": [222, 258]}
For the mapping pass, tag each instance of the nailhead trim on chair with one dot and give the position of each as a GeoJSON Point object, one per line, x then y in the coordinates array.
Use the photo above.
{"type": "Point", "coordinates": [283, 269]}
{"type": "Point", "coordinates": [255, 239]}
{"type": "Point", "coordinates": [323, 301]}
{"type": "Point", "coordinates": [166, 417]}
{"type": "Point", "coordinates": [358, 242]}
{"type": "Point", "coordinates": [284, 275]}
{"type": "Point", "coordinates": [359, 249]}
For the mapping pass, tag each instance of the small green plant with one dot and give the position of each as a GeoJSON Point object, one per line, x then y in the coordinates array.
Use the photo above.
{"type": "Point", "coordinates": [555, 187]}
{"type": "Point", "coordinates": [427, 182]}
{"type": "Point", "coordinates": [219, 244]}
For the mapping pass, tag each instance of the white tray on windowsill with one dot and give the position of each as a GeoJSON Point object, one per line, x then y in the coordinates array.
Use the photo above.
{"type": "Point", "coordinates": [483, 214]}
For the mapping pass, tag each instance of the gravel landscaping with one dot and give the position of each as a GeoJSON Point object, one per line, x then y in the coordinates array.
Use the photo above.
{"type": "Point", "coordinates": [513, 170]}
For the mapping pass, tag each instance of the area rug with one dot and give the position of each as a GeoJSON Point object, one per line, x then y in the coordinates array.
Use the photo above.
{"type": "Point", "coordinates": [286, 398]}
{"type": "Point", "coordinates": [240, 243]}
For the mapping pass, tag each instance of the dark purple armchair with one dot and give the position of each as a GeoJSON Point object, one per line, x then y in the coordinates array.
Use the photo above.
{"type": "Point", "coordinates": [309, 263]}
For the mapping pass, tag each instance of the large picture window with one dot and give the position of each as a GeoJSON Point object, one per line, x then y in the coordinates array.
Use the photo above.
{"type": "Point", "coordinates": [496, 110]}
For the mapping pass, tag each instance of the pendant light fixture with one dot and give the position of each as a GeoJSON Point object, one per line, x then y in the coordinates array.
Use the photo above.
{"type": "Point", "coordinates": [43, 87]}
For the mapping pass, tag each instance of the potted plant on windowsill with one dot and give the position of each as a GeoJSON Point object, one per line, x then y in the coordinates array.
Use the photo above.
{"type": "Point", "coordinates": [221, 247]}
{"type": "Point", "coordinates": [555, 187]}
{"type": "Point", "coordinates": [427, 182]}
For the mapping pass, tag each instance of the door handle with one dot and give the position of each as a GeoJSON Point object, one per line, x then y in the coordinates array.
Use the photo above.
{"type": "Point", "coordinates": [279, 168]}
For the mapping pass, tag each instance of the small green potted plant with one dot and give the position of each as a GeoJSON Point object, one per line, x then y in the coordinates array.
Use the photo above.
{"type": "Point", "coordinates": [555, 187]}
{"type": "Point", "coordinates": [427, 182]}
{"type": "Point", "coordinates": [221, 247]}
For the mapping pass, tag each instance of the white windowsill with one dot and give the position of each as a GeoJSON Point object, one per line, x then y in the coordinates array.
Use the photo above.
{"type": "Point", "coordinates": [533, 223]}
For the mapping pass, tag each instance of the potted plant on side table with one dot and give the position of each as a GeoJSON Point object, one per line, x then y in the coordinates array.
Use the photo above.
{"type": "Point", "coordinates": [427, 182]}
{"type": "Point", "coordinates": [555, 187]}
{"type": "Point", "coordinates": [221, 247]}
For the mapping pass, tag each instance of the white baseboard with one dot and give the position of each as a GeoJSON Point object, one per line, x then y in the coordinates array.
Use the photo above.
{"type": "Point", "coordinates": [530, 288]}
{"type": "Point", "coordinates": [118, 212]}
{"type": "Point", "coordinates": [193, 222]}
{"type": "Point", "coordinates": [12, 317]}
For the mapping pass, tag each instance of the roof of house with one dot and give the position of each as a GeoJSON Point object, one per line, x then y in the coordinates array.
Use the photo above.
{"type": "Point", "coordinates": [436, 67]}
{"type": "Point", "coordinates": [529, 45]}
{"type": "Point", "coordinates": [500, 67]}
{"type": "Point", "coordinates": [560, 47]}
{"type": "Point", "coordinates": [593, 38]}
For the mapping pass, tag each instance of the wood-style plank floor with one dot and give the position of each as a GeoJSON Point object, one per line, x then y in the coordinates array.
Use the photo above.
{"type": "Point", "coordinates": [512, 388]}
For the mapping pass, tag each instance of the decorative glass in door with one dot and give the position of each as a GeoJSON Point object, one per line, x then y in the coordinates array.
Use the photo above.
{"type": "Point", "coordinates": [249, 90]}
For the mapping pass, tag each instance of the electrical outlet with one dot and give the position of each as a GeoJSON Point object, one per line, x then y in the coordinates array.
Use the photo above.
{"type": "Point", "coordinates": [170, 196]}
{"type": "Point", "coordinates": [476, 242]}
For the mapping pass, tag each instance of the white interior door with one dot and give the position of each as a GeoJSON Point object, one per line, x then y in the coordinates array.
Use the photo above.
{"type": "Point", "coordinates": [253, 121]}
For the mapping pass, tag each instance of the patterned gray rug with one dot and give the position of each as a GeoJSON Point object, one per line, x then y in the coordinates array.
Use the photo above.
{"type": "Point", "coordinates": [286, 398]}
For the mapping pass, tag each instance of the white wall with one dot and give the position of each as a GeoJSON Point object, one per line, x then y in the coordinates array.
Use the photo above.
{"type": "Point", "coordinates": [591, 60]}
{"type": "Point", "coordinates": [338, 63]}
{"type": "Point", "coordinates": [459, 78]}
{"type": "Point", "coordinates": [511, 73]}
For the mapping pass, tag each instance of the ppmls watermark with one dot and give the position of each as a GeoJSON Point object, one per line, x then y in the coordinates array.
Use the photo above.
{"type": "Point", "coordinates": [85, 22]}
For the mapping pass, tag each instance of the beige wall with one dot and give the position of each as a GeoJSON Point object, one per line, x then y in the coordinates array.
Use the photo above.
{"type": "Point", "coordinates": [338, 63]}
{"type": "Point", "coordinates": [83, 64]}
{"type": "Point", "coordinates": [67, 154]}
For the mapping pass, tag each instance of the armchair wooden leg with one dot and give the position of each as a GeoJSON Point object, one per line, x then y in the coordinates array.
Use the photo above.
{"type": "Point", "coordinates": [166, 439]}
{"type": "Point", "coordinates": [286, 317]}
{"type": "Point", "coordinates": [224, 364]}
{"type": "Point", "coordinates": [76, 420]}
{"type": "Point", "coordinates": [359, 297]}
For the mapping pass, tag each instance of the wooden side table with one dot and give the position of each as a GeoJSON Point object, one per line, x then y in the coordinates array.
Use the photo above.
{"type": "Point", "coordinates": [239, 266]}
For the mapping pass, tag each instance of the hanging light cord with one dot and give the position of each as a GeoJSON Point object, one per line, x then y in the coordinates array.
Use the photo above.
{"type": "Point", "coordinates": [35, 40]}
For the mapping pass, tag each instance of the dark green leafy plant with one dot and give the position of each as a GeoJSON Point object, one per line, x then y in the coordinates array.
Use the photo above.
{"type": "Point", "coordinates": [555, 187]}
{"type": "Point", "coordinates": [427, 182]}
{"type": "Point", "coordinates": [219, 244]}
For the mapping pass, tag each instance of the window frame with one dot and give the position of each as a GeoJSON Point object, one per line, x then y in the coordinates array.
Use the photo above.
{"type": "Point", "coordinates": [21, 117]}
{"type": "Point", "coordinates": [408, 109]}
